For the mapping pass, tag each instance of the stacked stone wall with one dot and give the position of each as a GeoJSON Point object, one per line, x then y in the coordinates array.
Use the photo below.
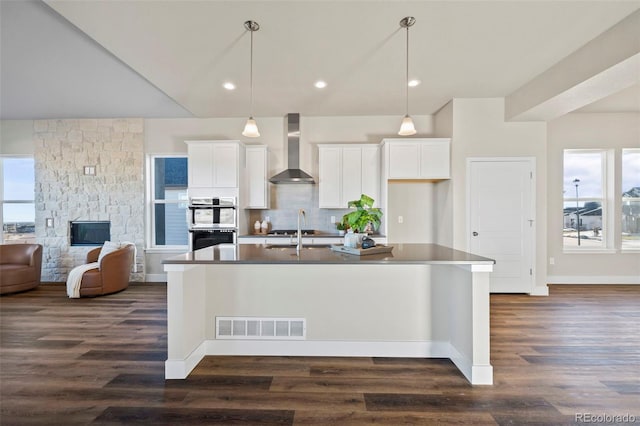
{"type": "Point", "coordinates": [63, 192]}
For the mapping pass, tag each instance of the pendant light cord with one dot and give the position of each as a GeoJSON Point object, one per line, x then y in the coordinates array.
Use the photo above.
{"type": "Point", "coordinates": [251, 77]}
{"type": "Point", "coordinates": [407, 69]}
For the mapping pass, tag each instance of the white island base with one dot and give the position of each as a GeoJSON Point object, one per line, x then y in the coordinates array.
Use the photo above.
{"type": "Point", "coordinates": [363, 308]}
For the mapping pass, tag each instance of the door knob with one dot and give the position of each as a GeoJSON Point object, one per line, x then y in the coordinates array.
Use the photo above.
{"type": "Point", "coordinates": [475, 234]}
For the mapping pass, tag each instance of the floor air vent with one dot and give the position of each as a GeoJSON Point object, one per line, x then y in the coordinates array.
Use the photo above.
{"type": "Point", "coordinates": [261, 328]}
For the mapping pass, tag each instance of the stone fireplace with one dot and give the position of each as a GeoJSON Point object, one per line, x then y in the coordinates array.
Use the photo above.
{"type": "Point", "coordinates": [87, 170]}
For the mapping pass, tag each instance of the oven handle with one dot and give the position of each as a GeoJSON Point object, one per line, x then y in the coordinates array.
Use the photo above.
{"type": "Point", "coordinates": [210, 207]}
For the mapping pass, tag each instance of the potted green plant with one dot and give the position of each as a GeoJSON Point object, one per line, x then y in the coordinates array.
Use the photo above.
{"type": "Point", "coordinates": [363, 215]}
{"type": "Point", "coordinates": [341, 227]}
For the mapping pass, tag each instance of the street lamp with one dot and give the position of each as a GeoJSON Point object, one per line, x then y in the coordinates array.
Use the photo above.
{"type": "Point", "coordinates": [576, 182]}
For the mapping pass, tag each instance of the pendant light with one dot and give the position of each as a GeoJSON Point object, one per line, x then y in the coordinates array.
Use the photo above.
{"type": "Point", "coordinates": [407, 128]}
{"type": "Point", "coordinates": [251, 128]}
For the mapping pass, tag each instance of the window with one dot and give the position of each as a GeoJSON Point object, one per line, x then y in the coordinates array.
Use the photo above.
{"type": "Point", "coordinates": [584, 213]}
{"type": "Point", "coordinates": [630, 226]}
{"type": "Point", "coordinates": [168, 201]}
{"type": "Point", "coordinates": [18, 207]}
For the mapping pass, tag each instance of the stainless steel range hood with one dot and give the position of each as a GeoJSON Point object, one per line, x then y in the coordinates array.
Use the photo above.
{"type": "Point", "coordinates": [293, 174]}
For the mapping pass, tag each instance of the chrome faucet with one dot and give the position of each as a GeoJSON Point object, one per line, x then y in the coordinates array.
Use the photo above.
{"type": "Point", "coordinates": [302, 214]}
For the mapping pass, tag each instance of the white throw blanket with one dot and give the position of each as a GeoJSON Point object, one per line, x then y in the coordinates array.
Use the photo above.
{"type": "Point", "coordinates": [75, 275]}
{"type": "Point", "coordinates": [135, 253]}
{"type": "Point", "coordinates": [75, 278]}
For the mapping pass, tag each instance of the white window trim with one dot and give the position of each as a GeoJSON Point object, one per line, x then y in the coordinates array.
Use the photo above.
{"type": "Point", "coordinates": [2, 200]}
{"type": "Point", "coordinates": [607, 201]}
{"type": "Point", "coordinates": [589, 250]}
{"type": "Point", "coordinates": [625, 250]}
{"type": "Point", "coordinates": [150, 202]}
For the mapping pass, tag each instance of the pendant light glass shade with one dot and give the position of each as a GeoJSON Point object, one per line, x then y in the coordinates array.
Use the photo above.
{"type": "Point", "coordinates": [407, 128]}
{"type": "Point", "coordinates": [251, 129]}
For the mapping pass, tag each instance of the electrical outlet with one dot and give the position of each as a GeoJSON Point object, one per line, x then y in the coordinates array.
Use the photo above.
{"type": "Point", "coordinates": [552, 261]}
{"type": "Point", "coordinates": [333, 219]}
{"type": "Point", "coordinates": [400, 219]}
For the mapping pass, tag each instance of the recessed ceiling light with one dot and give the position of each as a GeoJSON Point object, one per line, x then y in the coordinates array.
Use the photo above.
{"type": "Point", "coordinates": [229, 86]}
{"type": "Point", "coordinates": [320, 84]}
{"type": "Point", "coordinates": [414, 83]}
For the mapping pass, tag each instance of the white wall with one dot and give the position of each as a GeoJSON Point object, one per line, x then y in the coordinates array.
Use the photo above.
{"type": "Point", "coordinates": [479, 130]}
{"type": "Point", "coordinates": [416, 203]}
{"type": "Point", "coordinates": [598, 131]}
{"type": "Point", "coordinates": [443, 215]}
{"type": "Point", "coordinates": [16, 137]}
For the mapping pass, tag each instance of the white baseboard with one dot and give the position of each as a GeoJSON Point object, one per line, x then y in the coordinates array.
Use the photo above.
{"type": "Point", "coordinates": [424, 349]}
{"type": "Point", "coordinates": [539, 291]}
{"type": "Point", "coordinates": [156, 278]}
{"type": "Point", "coordinates": [180, 368]}
{"type": "Point", "coordinates": [476, 374]}
{"type": "Point", "coordinates": [593, 279]}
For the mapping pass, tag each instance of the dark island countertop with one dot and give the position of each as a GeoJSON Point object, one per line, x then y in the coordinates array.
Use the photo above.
{"type": "Point", "coordinates": [319, 255]}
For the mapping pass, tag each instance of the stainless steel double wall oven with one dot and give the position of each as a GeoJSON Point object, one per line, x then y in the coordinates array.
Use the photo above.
{"type": "Point", "coordinates": [212, 221]}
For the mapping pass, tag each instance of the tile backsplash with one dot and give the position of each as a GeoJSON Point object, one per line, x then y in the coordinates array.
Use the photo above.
{"type": "Point", "coordinates": [287, 199]}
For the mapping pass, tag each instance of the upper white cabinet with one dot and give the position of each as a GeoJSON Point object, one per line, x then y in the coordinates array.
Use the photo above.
{"type": "Point", "coordinates": [213, 164]}
{"type": "Point", "coordinates": [417, 158]}
{"type": "Point", "coordinates": [257, 180]}
{"type": "Point", "coordinates": [346, 171]}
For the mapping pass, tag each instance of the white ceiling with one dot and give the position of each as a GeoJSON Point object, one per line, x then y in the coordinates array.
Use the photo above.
{"type": "Point", "coordinates": [170, 58]}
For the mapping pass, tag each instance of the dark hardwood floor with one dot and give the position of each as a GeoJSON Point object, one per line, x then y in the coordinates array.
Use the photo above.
{"type": "Point", "coordinates": [101, 361]}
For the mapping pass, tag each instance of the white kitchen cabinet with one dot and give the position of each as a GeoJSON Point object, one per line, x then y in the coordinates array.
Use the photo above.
{"type": "Point", "coordinates": [346, 171]}
{"type": "Point", "coordinates": [330, 176]}
{"type": "Point", "coordinates": [427, 159]}
{"type": "Point", "coordinates": [257, 180]}
{"type": "Point", "coordinates": [213, 164]}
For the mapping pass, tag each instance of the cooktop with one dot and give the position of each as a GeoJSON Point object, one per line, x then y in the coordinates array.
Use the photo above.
{"type": "Point", "coordinates": [291, 232]}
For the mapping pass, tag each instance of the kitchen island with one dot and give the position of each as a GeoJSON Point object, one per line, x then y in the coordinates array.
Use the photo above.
{"type": "Point", "coordinates": [420, 300]}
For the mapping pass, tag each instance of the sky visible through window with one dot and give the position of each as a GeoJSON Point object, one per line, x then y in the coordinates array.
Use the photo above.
{"type": "Point", "coordinates": [19, 184]}
{"type": "Point", "coordinates": [587, 167]}
{"type": "Point", "coordinates": [630, 169]}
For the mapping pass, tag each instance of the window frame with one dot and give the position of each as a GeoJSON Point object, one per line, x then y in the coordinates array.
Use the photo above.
{"type": "Point", "coordinates": [606, 201]}
{"type": "Point", "coordinates": [622, 200]}
{"type": "Point", "coordinates": [3, 157]}
{"type": "Point", "coordinates": [152, 202]}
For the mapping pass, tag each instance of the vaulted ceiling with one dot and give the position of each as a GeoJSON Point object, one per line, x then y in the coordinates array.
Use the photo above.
{"type": "Point", "coordinates": [63, 59]}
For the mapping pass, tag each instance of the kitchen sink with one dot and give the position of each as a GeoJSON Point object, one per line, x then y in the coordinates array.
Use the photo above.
{"type": "Point", "coordinates": [293, 246]}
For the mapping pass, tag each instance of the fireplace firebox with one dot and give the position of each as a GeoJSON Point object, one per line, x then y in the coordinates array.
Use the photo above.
{"type": "Point", "coordinates": [90, 233]}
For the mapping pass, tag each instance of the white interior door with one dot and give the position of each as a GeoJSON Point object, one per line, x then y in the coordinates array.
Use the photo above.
{"type": "Point", "coordinates": [501, 220]}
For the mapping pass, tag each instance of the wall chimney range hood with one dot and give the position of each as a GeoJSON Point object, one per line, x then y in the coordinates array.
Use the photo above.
{"type": "Point", "coordinates": [293, 174]}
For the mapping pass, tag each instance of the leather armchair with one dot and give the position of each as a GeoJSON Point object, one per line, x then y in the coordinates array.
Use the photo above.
{"type": "Point", "coordinates": [20, 267]}
{"type": "Point", "coordinates": [113, 274]}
